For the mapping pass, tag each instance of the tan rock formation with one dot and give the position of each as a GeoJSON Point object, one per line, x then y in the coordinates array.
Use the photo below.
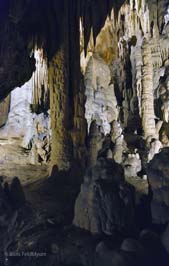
{"type": "Point", "coordinates": [61, 153]}
{"type": "Point", "coordinates": [148, 121]}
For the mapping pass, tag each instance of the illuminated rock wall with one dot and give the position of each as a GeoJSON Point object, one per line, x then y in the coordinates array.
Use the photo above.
{"type": "Point", "coordinates": [26, 132]}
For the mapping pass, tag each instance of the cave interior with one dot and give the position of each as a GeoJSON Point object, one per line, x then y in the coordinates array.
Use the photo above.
{"type": "Point", "coordinates": [84, 132]}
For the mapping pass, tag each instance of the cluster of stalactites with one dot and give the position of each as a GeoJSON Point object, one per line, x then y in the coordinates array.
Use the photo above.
{"type": "Point", "coordinates": [94, 21]}
{"type": "Point", "coordinates": [40, 91]}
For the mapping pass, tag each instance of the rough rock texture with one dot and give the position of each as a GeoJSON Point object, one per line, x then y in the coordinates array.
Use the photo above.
{"type": "Point", "coordinates": [61, 139]}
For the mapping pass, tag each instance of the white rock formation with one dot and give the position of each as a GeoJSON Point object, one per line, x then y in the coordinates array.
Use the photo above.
{"type": "Point", "coordinates": [25, 129]}
{"type": "Point", "coordinates": [101, 104]}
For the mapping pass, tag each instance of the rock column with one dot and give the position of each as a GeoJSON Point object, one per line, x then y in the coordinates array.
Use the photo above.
{"type": "Point", "coordinates": [147, 99]}
{"type": "Point", "coordinates": [61, 153]}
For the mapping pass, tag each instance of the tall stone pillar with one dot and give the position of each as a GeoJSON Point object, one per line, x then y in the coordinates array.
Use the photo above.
{"type": "Point", "coordinates": [61, 153]}
{"type": "Point", "coordinates": [147, 99]}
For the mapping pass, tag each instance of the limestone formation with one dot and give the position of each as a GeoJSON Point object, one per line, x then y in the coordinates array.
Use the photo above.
{"type": "Point", "coordinates": [26, 135]}
{"type": "Point", "coordinates": [95, 141]}
{"type": "Point", "coordinates": [84, 90]}
{"type": "Point", "coordinates": [118, 139]}
{"type": "Point", "coordinates": [105, 203]}
{"type": "Point", "coordinates": [101, 104]}
{"type": "Point", "coordinates": [62, 149]}
{"type": "Point", "coordinates": [40, 93]}
{"type": "Point", "coordinates": [148, 120]}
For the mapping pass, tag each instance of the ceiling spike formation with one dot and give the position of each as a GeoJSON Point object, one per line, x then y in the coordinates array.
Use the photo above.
{"type": "Point", "coordinates": [94, 21]}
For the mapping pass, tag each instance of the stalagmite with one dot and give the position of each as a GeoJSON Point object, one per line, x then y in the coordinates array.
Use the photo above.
{"type": "Point", "coordinates": [95, 141]}
{"type": "Point", "coordinates": [147, 99]}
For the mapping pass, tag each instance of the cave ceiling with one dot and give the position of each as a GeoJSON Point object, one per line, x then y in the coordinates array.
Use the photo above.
{"type": "Point", "coordinates": [26, 22]}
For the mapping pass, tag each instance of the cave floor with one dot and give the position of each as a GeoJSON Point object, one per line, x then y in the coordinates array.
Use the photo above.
{"type": "Point", "coordinates": [15, 161]}
{"type": "Point", "coordinates": [27, 173]}
{"type": "Point", "coordinates": [49, 197]}
{"type": "Point", "coordinates": [52, 198]}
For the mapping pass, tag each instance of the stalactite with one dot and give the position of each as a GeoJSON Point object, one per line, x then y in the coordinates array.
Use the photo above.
{"type": "Point", "coordinates": [40, 94]}
{"type": "Point", "coordinates": [93, 20]}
